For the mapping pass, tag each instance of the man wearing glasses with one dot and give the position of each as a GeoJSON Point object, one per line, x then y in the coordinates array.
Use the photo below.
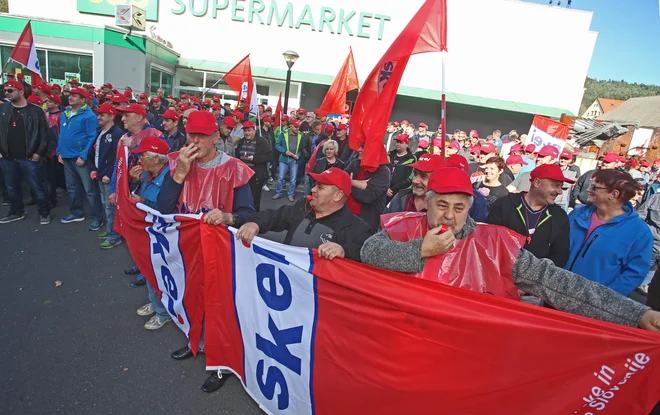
{"type": "Point", "coordinates": [23, 139]}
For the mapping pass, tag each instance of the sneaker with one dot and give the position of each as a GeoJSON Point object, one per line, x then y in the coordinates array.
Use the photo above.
{"type": "Point", "coordinates": [102, 235]}
{"type": "Point", "coordinates": [71, 219]}
{"type": "Point", "coordinates": [266, 188]}
{"type": "Point", "coordinates": [61, 192]}
{"type": "Point", "coordinates": [44, 220]}
{"type": "Point", "coordinates": [277, 196]}
{"type": "Point", "coordinates": [139, 281]}
{"type": "Point", "coordinates": [270, 180]}
{"type": "Point", "coordinates": [95, 226]}
{"type": "Point", "coordinates": [109, 245]}
{"type": "Point", "coordinates": [290, 198]}
{"type": "Point", "coordinates": [132, 270]}
{"type": "Point", "coordinates": [13, 217]}
{"type": "Point", "coordinates": [154, 323]}
{"type": "Point", "coordinates": [145, 310]}
{"type": "Point", "coordinates": [5, 203]}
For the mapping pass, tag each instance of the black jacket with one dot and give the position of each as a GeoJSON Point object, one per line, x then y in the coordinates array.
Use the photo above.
{"type": "Point", "coordinates": [107, 152]}
{"type": "Point", "coordinates": [374, 198]}
{"type": "Point", "coordinates": [36, 128]}
{"type": "Point", "coordinates": [398, 202]}
{"type": "Point", "coordinates": [299, 220]}
{"type": "Point", "coordinates": [263, 153]}
{"type": "Point", "coordinates": [580, 189]}
{"type": "Point", "coordinates": [401, 172]}
{"type": "Point", "coordinates": [551, 238]}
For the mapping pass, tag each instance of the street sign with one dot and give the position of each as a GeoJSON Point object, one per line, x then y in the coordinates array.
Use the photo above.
{"type": "Point", "coordinates": [131, 17]}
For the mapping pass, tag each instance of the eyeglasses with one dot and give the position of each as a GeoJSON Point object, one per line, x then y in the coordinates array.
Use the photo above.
{"type": "Point", "coordinates": [593, 187]}
{"type": "Point", "coordinates": [9, 91]}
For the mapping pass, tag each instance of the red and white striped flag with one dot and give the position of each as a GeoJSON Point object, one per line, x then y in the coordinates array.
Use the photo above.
{"type": "Point", "coordinates": [25, 53]}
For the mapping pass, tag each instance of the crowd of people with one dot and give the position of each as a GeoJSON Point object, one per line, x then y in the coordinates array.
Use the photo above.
{"type": "Point", "coordinates": [589, 241]}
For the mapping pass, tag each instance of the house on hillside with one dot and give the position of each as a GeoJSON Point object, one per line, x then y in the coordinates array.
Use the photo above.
{"type": "Point", "coordinates": [601, 106]}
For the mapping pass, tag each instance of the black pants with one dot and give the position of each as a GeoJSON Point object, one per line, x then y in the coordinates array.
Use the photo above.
{"type": "Point", "coordinates": [256, 183]}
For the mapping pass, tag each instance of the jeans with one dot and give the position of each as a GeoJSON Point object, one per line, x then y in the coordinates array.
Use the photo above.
{"type": "Point", "coordinates": [79, 182]}
{"type": "Point", "coordinates": [3, 188]}
{"type": "Point", "coordinates": [14, 171]}
{"type": "Point", "coordinates": [292, 167]}
{"type": "Point", "coordinates": [109, 213]}
{"type": "Point", "coordinates": [308, 186]}
{"type": "Point", "coordinates": [158, 306]}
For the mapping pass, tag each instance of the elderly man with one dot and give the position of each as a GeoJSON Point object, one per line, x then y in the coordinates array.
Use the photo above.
{"type": "Point", "coordinates": [322, 221]}
{"type": "Point", "coordinates": [256, 152]}
{"type": "Point", "coordinates": [413, 198]}
{"type": "Point", "coordinates": [580, 190]}
{"type": "Point", "coordinates": [449, 197]}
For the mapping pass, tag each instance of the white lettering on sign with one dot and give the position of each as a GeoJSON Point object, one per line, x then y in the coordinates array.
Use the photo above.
{"type": "Point", "coordinates": [540, 138]}
{"type": "Point", "coordinates": [275, 297]}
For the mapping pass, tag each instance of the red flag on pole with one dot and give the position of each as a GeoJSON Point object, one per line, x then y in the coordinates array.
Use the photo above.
{"type": "Point", "coordinates": [426, 32]}
{"type": "Point", "coordinates": [239, 79]}
{"type": "Point", "coordinates": [346, 80]}
{"type": "Point", "coordinates": [278, 113]}
{"type": "Point", "coordinates": [25, 53]}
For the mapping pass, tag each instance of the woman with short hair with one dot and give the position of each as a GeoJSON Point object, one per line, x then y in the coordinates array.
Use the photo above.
{"type": "Point", "coordinates": [491, 187]}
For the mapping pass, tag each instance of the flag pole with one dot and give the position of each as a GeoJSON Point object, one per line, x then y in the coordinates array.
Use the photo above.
{"type": "Point", "coordinates": [444, 109]}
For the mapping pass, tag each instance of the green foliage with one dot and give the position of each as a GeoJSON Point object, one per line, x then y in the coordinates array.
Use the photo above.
{"type": "Point", "coordinates": [614, 90]}
{"type": "Point", "coordinates": [4, 6]}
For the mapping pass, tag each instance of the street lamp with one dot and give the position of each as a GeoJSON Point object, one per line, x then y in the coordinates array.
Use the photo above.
{"type": "Point", "coordinates": [290, 57]}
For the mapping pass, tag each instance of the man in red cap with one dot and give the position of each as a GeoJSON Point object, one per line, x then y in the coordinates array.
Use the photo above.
{"type": "Point", "coordinates": [580, 190]}
{"type": "Point", "coordinates": [321, 221]}
{"type": "Point", "coordinates": [266, 132]}
{"type": "Point", "coordinates": [572, 172]}
{"type": "Point", "coordinates": [157, 109]}
{"type": "Point", "coordinates": [547, 155]}
{"type": "Point", "coordinates": [420, 135]}
{"type": "Point", "coordinates": [535, 215]}
{"type": "Point", "coordinates": [54, 171]}
{"type": "Point", "coordinates": [102, 163]}
{"type": "Point", "coordinates": [42, 91]}
{"type": "Point", "coordinates": [515, 163]}
{"type": "Point", "coordinates": [23, 143]}
{"type": "Point", "coordinates": [391, 134]}
{"type": "Point", "coordinates": [289, 145]}
{"type": "Point", "coordinates": [644, 169]}
{"type": "Point", "coordinates": [413, 198]}
{"type": "Point", "coordinates": [237, 133]}
{"type": "Point", "coordinates": [225, 142]}
{"type": "Point", "coordinates": [476, 171]}
{"type": "Point", "coordinates": [256, 152]}
{"type": "Point", "coordinates": [301, 115]}
{"type": "Point", "coordinates": [401, 172]}
{"type": "Point", "coordinates": [172, 134]}
{"type": "Point", "coordinates": [344, 152]}
{"type": "Point", "coordinates": [449, 197]}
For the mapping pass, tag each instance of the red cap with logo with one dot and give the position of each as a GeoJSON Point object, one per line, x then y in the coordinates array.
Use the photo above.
{"type": "Point", "coordinates": [44, 87]}
{"type": "Point", "coordinates": [488, 148]}
{"type": "Point", "coordinates": [248, 124]}
{"type": "Point", "coordinates": [117, 99]}
{"type": "Point", "coordinates": [301, 111]}
{"type": "Point", "coordinates": [238, 115]}
{"type": "Point", "coordinates": [155, 99]}
{"type": "Point", "coordinates": [14, 84]}
{"type": "Point", "coordinates": [428, 163]}
{"type": "Point", "coordinates": [267, 119]}
{"type": "Point", "coordinates": [33, 99]}
{"type": "Point", "coordinates": [79, 91]}
{"type": "Point", "coordinates": [646, 164]}
{"type": "Point", "coordinates": [437, 142]}
{"type": "Point", "coordinates": [530, 148]}
{"type": "Point", "coordinates": [135, 109]}
{"type": "Point", "coordinates": [269, 109]}
{"type": "Point", "coordinates": [54, 98]}
{"type": "Point", "coordinates": [401, 137]}
{"type": "Point", "coordinates": [610, 158]}
{"type": "Point", "coordinates": [153, 144]}
{"type": "Point", "coordinates": [342, 127]}
{"type": "Point", "coordinates": [516, 147]}
{"type": "Point", "coordinates": [458, 161]}
{"type": "Point", "coordinates": [549, 171]}
{"type": "Point", "coordinates": [106, 108]}
{"type": "Point", "coordinates": [567, 155]}
{"type": "Point", "coordinates": [216, 98]}
{"type": "Point", "coordinates": [107, 85]}
{"type": "Point", "coordinates": [143, 95]}
{"type": "Point", "coordinates": [295, 123]}
{"type": "Point", "coordinates": [170, 115]}
{"type": "Point", "coordinates": [454, 145]}
{"type": "Point", "coordinates": [201, 122]}
{"type": "Point", "coordinates": [229, 121]}
{"type": "Point", "coordinates": [423, 125]}
{"type": "Point", "coordinates": [515, 159]}
{"type": "Point", "coordinates": [449, 180]}
{"type": "Point", "coordinates": [424, 144]}
{"type": "Point", "coordinates": [56, 87]}
{"type": "Point", "coordinates": [216, 107]}
{"type": "Point", "coordinates": [549, 150]}
{"type": "Point", "coordinates": [474, 133]}
{"type": "Point", "coordinates": [335, 177]}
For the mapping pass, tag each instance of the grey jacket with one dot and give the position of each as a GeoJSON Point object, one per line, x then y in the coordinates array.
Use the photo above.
{"type": "Point", "coordinates": [559, 288]}
{"type": "Point", "coordinates": [649, 212]}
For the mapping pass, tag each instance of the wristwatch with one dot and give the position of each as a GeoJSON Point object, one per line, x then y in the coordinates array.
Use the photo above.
{"type": "Point", "coordinates": [234, 218]}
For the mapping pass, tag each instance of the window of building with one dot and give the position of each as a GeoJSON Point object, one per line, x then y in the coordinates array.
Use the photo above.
{"type": "Point", "coordinates": [160, 79]}
{"type": "Point", "coordinates": [64, 66]}
{"type": "Point", "coordinates": [12, 66]}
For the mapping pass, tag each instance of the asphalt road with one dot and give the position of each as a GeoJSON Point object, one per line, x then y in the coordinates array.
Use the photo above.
{"type": "Point", "coordinates": [80, 348]}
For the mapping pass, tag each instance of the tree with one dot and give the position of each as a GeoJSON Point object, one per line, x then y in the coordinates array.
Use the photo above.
{"type": "Point", "coordinates": [611, 89]}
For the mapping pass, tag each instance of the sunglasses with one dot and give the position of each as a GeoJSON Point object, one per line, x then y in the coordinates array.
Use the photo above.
{"type": "Point", "coordinates": [9, 90]}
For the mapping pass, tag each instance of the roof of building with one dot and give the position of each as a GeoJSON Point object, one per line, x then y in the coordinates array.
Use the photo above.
{"type": "Point", "coordinates": [641, 111]}
{"type": "Point", "coordinates": [608, 105]}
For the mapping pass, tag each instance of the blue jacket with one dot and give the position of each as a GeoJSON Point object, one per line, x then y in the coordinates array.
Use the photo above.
{"type": "Point", "coordinates": [617, 254]}
{"type": "Point", "coordinates": [282, 145]}
{"type": "Point", "coordinates": [77, 133]}
{"type": "Point", "coordinates": [150, 189]}
{"type": "Point", "coordinates": [107, 152]}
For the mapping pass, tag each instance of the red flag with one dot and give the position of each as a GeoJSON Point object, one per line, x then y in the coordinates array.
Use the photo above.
{"type": "Point", "coordinates": [239, 79]}
{"type": "Point", "coordinates": [278, 113]}
{"type": "Point", "coordinates": [346, 80]}
{"type": "Point", "coordinates": [25, 53]}
{"type": "Point", "coordinates": [426, 32]}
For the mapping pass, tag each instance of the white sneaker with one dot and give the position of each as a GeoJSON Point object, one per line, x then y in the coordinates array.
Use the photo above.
{"type": "Point", "coordinates": [266, 188]}
{"type": "Point", "coordinates": [154, 323]}
{"type": "Point", "coordinates": [145, 310]}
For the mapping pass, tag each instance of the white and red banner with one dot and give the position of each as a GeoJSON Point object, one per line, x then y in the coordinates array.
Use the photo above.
{"type": "Point", "coordinates": [25, 53]}
{"type": "Point", "coordinates": [545, 131]}
{"type": "Point", "coordinates": [311, 336]}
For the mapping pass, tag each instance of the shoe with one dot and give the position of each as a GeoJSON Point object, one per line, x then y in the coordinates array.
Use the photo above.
{"type": "Point", "coordinates": [266, 188]}
{"type": "Point", "coordinates": [71, 219]}
{"type": "Point", "coordinates": [277, 196]}
{"type": "Point", "coordinates": [643, 289]}
{"type": "Point", "coordinates": [29, 202]}
{"type": "Point", "coordinates": [132, 270]}
{"type": "Point", "coordinates": [139, 281]}
{"type": "Point", "coordinates": [290, 198]}
{"type": "Point", "coordinates": [182, 353]}
{"type": "Point", "coordinates": [154, 323]}
{"type": "Point", "coordinates": [109, 245]}
{"type": "Point", "coordinates": [270, 180]}
{"type": "Point", "coordinates": [12, 217]}
{"type": "Point", "coordinates": [44, 220]}
{"type": "Point", "coordinates": [5, 203]}
{"type": "Point", "coordinates": [145, 310]}
{"type": "Point", "coordinates": [61, 192]}
{"type": "Point", "coordinates": [102, 235]}
{"type": "Point", "coordinates": [213, 382]}
{"type": "Point", "coordinates": [95, 226]}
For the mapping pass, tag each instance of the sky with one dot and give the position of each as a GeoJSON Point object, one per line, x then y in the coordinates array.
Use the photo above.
{"type": "Point", "coordinates": [628, 45]}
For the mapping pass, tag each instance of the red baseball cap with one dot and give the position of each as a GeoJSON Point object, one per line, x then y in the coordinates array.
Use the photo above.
{"type": "Point", "coordinates": [656, 161]}
{"type": "Point", "coordinates": [74, 82]}
{"type": "Point", "coordinates": [488, 148]}
{"type": "Point", "coordinates": [302, 111]}
{"type": "Point", "coordinates": [144, 102]}
{"type": "Point", "coordinates": [184, 96]}
{"type": "Point", "coordinates": [450, 180]}
{"type": "Point", "coordinates": [44, 87]}
{"type": "Point", "coordinates": [269, 109]}
{"type": "Point", "coordinates": [342, 127]}
{"type": "Point", "coordinates": [336, 177]}
{"type": "Point", "coordinates": [458, 161]}
{"type": "Point", "coordinates": [285, 118]}
{"type": "Point", "coordinates": [549, 150]}
{"type": "Point", "coordinates": [106, 108]}
{"type": "Point", "coordinates": [201, 122]}
{"type": "Point", "coordinates": [267, 119]}
{"type": "Point", "coordinates": [475, 149]}
{"type": "Point", "coordinates": [610, 158]}
{"type": "Point", "coordinates": [248, 124]}
{"type": "Point", "coordinates": [14, 84]}
{"type": "Point", "coordinates": [516, 147]}
{"type": "Point", "coordinates": [107, 85]}
{"type": "Point", "coordinates": [135, 109]}
{"type": "Point", "coordinates": [549, 171]}
{"type": "Point", "coordinates": [475, 133]}
{"type": "Point", "coordinates": [170, 115]}
{"type": "Point", "coordinates": [566, 155]}
{"type": "Point", "coordinates": [428, 163]}
{"type": "Point", "coordinates": [622, 159]}
{"type": "Point", "coordinates": [216, 107]}
{"type": "Point", "coordinates": [56, 86]}
{"type": "Point", "coordinates": [117, 99]}
{"type": "Point", "coordinates": [216, 98]}
{"type": "Point", "coordinates": [633, 163]}
{"type": "Point", "coordinates": [33, 99]}
{"type": "Point", "coordinates": [454, 145]}
{"type": "Point", "coordinates": [530, 148]}
{"type": "Point", "coordinates": [437, 142]}
{"type": "Point", "coordinates": [406, 122]}
{"type": "Point", "coordinates": [79, 91]}
{"type": "Point", "coordinates": [229, 121]}
{"type": "Point", "coordinates": [20, 76]}
{"type": "Point", "coordinates": [646, 164]}
{"type": "Point", "coordinates": [238, 115]}
{"type": "Point", "coordinates": [155, 99]}
{"type": "Point", "coordinates": [515, 159]}
{"type": "Point", "coordinates": [424, 144]}
{"type": "Point", "coordinates": [143, 95]}
{"type": "Point", "coordinates": [54, 98]}
{"type": "Point", "coordinates": [295, 123]}
{"type": "Point", "coordinates": [153, 144]}
{"type": "Point", "coordinates": [403, 137]}
{"type": "Point", "coordinates": [423, 125]}
{"type": "Point", "coordinates": [128, 94]}
{"type": "Point", "coordinates": [396, 123]}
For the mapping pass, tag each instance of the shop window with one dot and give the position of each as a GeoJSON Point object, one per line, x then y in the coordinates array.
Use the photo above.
{"type": "Point", "coordinates": [62, 67]}
{"type": "Point", "coordinates": [12, 66]}
{"type": "Point", "coordinates": [160, 79]}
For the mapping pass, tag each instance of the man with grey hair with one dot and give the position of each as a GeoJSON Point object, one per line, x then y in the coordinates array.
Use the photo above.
{"type": "Point", "coordinates": [448, 201]}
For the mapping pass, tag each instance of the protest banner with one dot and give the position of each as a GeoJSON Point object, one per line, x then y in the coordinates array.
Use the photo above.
{"type": "Point", "coordinates": [544, 132]}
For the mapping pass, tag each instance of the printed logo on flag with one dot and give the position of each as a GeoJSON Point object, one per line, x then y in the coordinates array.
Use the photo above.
{"type": "Point", "coordinates": [384, 75]}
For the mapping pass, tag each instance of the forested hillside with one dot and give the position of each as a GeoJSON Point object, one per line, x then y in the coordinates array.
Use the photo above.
{"type": "Point", "coordinates": [614, 90]}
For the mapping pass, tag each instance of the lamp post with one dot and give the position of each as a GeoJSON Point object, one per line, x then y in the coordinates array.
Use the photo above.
{"type": "Point", "coordinates": [290, 57]}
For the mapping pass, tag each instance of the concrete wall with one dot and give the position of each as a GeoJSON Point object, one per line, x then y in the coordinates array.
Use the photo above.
{"type": "Point", "coordinates": [125, 67]}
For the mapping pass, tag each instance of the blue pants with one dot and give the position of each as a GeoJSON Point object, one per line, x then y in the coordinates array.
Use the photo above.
{"type": "Point", "coordinates": [78, 183]}
{"type": "Point", "coordinates": [14, 171]}
{"type": "Point", "coordinates": [158, 306]}
{"type": "Point", "coordinates": [109, 213]}
{"type": "Point", "coordinates": [292, 167]}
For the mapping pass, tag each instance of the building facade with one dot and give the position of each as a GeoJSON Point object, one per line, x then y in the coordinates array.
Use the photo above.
{"type": "Point", "coordinates": [601, 106]}
{"type": "Point", "coordinates": [494, 78]}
